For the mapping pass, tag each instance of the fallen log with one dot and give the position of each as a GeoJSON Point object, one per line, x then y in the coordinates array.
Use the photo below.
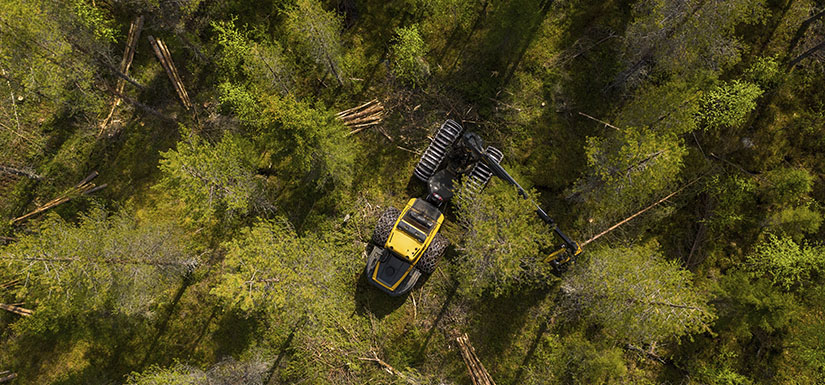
{"type": "Point", "coordinates": [16, 310]}
{"type": "Point", "coordinates": [478, 373]}
{"type": "Point", "coordinates": [125, 63]}
{"type": "Point", "coordinates": [85, 187]}
{"type": "Point", "coordinates": [165, 58]}
{"type": "Point", "coordinates": [7, 376]}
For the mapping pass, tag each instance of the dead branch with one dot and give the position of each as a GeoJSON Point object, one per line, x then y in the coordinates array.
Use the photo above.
{"type": "Point", "coordinates": [388, 368]}
{"type": "Point", "coordinates": [10, 283]}
{"type": "Point", "coordinates": [807, 53]}
{"type": "Point", "coordinates": [648, 353]}
{"type": "Point", "coordinates": [188, 264]}
{"type": "Point", "coordinates": [138, 104]}
{"type": "Point", "coordinates": [600, 121]}
{"type": "Point", "coordinates": [7, 376]}
{"type": "Point", "coordinates": [17, 171]}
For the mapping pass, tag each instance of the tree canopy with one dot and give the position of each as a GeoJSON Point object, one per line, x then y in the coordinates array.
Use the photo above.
{"type": "Point", "coordinates": [244, 152]}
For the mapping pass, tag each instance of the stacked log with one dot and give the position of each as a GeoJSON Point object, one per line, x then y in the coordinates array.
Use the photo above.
{"type": "Point", "coordinates": [363, 116]}
{"type": "Point", "coordinates": [165, 58]}
{"type": "Point", "coordinates": [85, 187]}
{"type": "Point", "coordinates": [125, 63]}
{"type": "Point", "coordinates": [478, 373]}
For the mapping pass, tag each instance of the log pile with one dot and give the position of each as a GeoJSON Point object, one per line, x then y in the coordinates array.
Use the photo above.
{"type": "Point", "coordinates": [165, 58]}
{"type": "Point", "coordinates": [478, 373]}
{"type": "Point", "coordinates": [85, 187]}
{"type": "Point", "coordinates": [363, 116]}
{"type": "Point", "coordinates": [125, 63]}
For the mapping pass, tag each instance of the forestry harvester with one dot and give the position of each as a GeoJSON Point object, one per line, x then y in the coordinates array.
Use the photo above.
{"type": "Point", "coordinates": [407, 243]}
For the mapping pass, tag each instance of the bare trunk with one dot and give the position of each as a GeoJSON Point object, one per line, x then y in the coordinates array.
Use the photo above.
{"type": "Point", "coordinates": [807, 53]}
{"type": "Point", "coordinates": [802, 29]}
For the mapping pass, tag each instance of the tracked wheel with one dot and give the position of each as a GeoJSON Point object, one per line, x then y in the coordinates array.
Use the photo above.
{"type": "Point", "coordinates": [480, 174]}
{"type": "Point", "coordinates": [430, 258]}
{"type": "Point", "coordinates": [384, 226]}
{"type": "Point", "coordinates": [438, 149]}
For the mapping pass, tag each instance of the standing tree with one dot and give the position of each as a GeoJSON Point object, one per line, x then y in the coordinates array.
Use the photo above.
{"type": "Point", "coordinates": [684, 37]}
{"type": "Point", "coordinates": [408, 52]}
{"type": "Point", "coordinates": [213, 180]}
{"type": "Point", "coordinates": [786, 263]}
{"type": "Point", "coordinates": [637, 296]}
{"type": "Point", "coordinates": [727, 105]}
{"type": "Point", "coordinates": [300, 142]}
{"type": "Point", "coordinates": [502, 245]}
{"type": "Point", "coordinates": [316, 31]}
{"type": "Point", "coordinates": [262, 63]}
{"type": "Point", "coordinates": [106, 263]}
{"type": "Point", "coordinates": [628, 170]}
{"type": "Point", "coordinates": [301, 282]}
{"type": "Point", "coordinates": [50, 58]}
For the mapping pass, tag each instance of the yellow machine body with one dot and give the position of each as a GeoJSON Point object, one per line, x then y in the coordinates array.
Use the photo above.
{"type": "Point", "coordinates": [409, 239]}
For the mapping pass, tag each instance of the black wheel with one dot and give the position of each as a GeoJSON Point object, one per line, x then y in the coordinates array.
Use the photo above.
{"type": "Point", "coordinates": [430, 258]}
{"type": "Point", "coordinates": [384, 226]}
{"type": "Point", "coordinates": [481, 173]}
{"type": "Point", "coordinates": [438, 149]}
